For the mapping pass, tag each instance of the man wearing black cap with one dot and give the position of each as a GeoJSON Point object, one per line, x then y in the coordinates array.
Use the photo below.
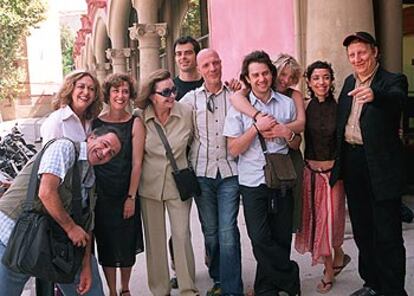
{"type": "Point", "coordinates": [369, 161]}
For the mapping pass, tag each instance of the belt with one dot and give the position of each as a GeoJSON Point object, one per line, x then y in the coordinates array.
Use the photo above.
{"type": "Point", "coordinates": [354, 146]}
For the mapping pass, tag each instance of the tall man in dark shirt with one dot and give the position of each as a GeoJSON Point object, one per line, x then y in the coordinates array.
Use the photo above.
{"type": "Point", "coordinates": [185, 51]}
{"type": "Point", "coordinates": [369, 160]}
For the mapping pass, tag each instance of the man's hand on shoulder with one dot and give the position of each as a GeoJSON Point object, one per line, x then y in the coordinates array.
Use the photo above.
{"type": "Point", "coordinates": [234, 85]}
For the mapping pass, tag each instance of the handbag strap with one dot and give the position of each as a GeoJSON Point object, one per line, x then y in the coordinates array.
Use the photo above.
{"type": "Point", "coordinates": [263, 144]}
{"type": "Point", "coordinates": [167, 146]}
{"type": "Point", "coordinates": [33, 187]}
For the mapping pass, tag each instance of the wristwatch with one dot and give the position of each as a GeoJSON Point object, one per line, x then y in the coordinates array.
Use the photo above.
{"type": "Point", "coordinates": [133, 197]}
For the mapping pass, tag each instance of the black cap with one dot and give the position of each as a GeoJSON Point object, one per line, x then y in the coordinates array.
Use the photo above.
{"type": "Point", "coordinates": [362, 36]}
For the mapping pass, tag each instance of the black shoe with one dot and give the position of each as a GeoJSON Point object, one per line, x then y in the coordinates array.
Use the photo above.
{"type": "Point", "coordinates": [407, 214]}
{"type": "Point", "coordinates": [174, 283]}
{"type": "Point", "coordinates": [364, 291]}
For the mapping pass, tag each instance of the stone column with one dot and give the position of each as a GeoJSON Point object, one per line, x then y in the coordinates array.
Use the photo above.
{"type": "Point", "coordinates": [389, 29]}
{"type": "Point", "coordinates": [328, 23]}
{"type": "Point", "coordinates": [118, 56]}
{"type": "Point", "coordinates": [148, 36]}
{"type": "Point", "coordinates": [100, 72]}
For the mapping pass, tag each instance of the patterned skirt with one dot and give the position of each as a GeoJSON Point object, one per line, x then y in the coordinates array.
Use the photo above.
{"type": "Point", "coordinates": [323, 216]}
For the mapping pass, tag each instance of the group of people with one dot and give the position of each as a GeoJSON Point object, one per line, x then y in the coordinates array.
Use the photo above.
{"type": "Point", "coordinates": [351, 147]}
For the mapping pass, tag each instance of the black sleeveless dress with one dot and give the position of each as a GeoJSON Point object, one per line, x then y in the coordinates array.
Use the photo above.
{"type": "Point", "coordinates": [118, 239]}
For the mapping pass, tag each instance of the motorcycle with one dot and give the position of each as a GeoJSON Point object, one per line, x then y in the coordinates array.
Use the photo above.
{"type": "Point", "coordinates": [14, 152]}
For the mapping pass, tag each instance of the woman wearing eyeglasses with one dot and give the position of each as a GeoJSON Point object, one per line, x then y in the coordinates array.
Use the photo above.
{"type": "Point", "coordinates": [157, 189]}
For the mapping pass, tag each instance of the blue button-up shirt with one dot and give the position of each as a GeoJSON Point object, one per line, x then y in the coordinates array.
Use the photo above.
{"type": "Point", "coordinates": [252, 161]}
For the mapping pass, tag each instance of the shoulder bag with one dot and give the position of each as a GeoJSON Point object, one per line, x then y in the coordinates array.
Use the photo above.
{"type": "Point", "coordinates": [38, 246]}
{"type": "Point", "coordinates": [185, 179]}
{"type": "Point", "coordinates": [279, 170]}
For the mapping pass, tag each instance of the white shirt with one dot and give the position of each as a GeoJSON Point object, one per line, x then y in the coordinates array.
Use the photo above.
{"type": "Point", "coordinates": [251, 162]}
{"type": "Point", "coordinates": [64, 123]}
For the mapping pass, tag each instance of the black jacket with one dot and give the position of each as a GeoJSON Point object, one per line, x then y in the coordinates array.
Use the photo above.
{"type": "Point", "coordinates": [379, 122]}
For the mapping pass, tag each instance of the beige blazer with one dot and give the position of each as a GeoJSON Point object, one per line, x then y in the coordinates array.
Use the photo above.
{"type": "Point", "coordinates": [157, 181]}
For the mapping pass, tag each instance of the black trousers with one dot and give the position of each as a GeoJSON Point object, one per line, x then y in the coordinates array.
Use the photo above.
{"type": "Point", "coordinates": [271, 237]}
{"type": "Point", "coordinates": [376, 226]}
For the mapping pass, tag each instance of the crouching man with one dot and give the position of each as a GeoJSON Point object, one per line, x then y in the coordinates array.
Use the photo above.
{"type": "Point", "coordinates": [55, 195]}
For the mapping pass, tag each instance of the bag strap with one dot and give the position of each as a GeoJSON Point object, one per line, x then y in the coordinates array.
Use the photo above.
{"type": "Point", "coordinates": [167, 147]}
{"type": "Point", "coordinates": [263, 144]}
{"type": "Point", "coordinates": [33, 187]}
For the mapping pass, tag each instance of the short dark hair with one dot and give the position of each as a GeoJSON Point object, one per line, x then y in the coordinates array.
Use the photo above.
{"type": "Point", "coordinates": [320, 65]}
{"type": "Point", "coordinates": [258, 56]}
{"type": "Point", "coordinates": [104, 130]}
{"type": "Point", "coordinates": [188, 39]}
{"type": "Point", "coordinates": [115, 80]}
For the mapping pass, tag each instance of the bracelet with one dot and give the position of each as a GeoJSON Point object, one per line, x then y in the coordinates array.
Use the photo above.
{"type": "Point", "coordinates": [292, 137]}
{"type": "Point", "coordinates": [255, 116]}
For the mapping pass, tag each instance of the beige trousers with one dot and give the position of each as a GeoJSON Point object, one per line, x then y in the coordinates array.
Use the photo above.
{"type": "Point", "coordinates": [153, 214]}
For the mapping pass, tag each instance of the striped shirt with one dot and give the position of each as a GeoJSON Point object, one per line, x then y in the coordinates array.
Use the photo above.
{"type": "Point", "coordinates": [209, 153]}
{"type": "Point", "coordinates": [57, 160]}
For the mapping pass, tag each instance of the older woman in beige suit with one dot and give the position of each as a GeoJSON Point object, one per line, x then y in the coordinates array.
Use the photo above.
{"type": "Point", "coordinates": [157, 189]}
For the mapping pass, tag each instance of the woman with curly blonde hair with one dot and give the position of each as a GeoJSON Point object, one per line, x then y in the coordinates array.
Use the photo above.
{"type": "Point", "coordinates": [77, 103]}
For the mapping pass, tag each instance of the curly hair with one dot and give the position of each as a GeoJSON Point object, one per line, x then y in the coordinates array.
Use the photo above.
{"type": "Point", "coordinates": [258, 56]}
{"type": "Point", "coordinates": [115, 80]}
{"type": "Point", "coordinates": [64, 95]}
{"type": "Point", "coordinates": [148, 86]}
{"type": "Point", "coordinates": [320, 65]}
{"type": "Point", "coordinates": [284, 60]}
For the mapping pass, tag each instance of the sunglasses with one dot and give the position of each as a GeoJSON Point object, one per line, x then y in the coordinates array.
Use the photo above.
{"type": "Point", "coordinates": [167, 92]}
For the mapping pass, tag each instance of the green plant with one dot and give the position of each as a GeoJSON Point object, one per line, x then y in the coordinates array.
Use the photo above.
{"type": "Point", "coordinates": [16, 19]}
{"type": "Point", "coordinates": [191, 24]}
{"type": "Point", "coordinates": [67, 39]}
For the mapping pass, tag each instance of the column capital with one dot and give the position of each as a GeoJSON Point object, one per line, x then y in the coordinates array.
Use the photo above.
{"type": "Point", "coordinates": [114, 53]}
{"type": "Point", "coordinates": [140, 30]}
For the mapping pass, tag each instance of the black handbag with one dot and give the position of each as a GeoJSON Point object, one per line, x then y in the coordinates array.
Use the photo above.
{"type": "Point", "coordinates": [185, 179]}
{"type": "Point", "coordinates": [38, 246]}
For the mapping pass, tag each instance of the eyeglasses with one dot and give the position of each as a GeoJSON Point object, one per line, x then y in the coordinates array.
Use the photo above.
{"type": "Point", "coordinates": [167, 92]}
{"type": "Point", "coordinates": [210, 104]}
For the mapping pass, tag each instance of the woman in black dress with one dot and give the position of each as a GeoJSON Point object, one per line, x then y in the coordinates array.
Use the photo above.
{"type": "Point", "coordinates": [118, 227]}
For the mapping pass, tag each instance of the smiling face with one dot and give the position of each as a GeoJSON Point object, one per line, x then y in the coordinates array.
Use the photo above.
{"type": "Point", "coordinates": [260, 79]}
{"type": "Point", "coordinates": [83, 95]}
{"type": "Point", "coordinates": [209, 65]}
{"type": "Point", "coordinates": [185, 57]}
{"type": "Point", "coordinates": [159, 101]}
{"type": "Point", "coordinates": [320, 82]}
{"type": "Point", "coordinates": [119, 96]}
{"type": "Point", "coordinates": [102, 149]}
{"type": "Point", "coordinates": [363, 57]}
{"type": "Point", "coordinates": [285, 79]}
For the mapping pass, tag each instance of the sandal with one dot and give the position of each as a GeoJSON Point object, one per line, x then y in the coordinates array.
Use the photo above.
{"type": "Point", "coordinates": [124, 293]}
{"type": "Point", "coordinates": [345, 262]}
{"type": "Point", "coordinates": [324, 287]}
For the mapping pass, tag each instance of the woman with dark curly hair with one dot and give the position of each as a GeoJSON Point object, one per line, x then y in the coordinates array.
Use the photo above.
{"type": "Point", "coordinates": [323, 210]}
{"type": "Point", "coordinates": [77, 103]}
{"type": "Point", "coordinates": [118, 229]}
